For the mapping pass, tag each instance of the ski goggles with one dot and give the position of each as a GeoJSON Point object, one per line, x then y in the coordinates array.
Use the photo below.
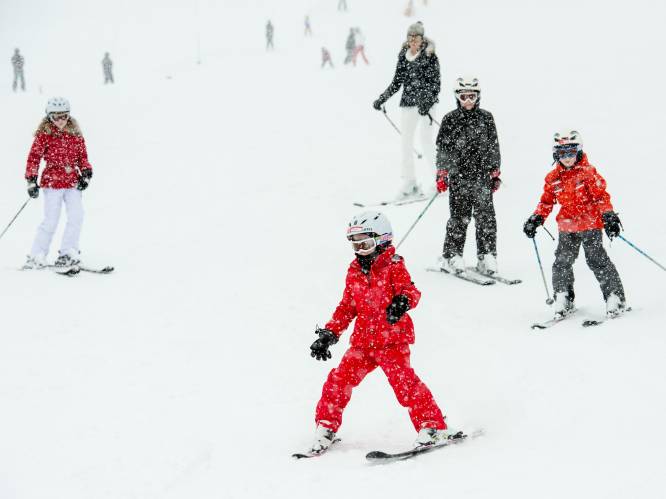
{"type": "Point", "coordinates": [566, 151]}
{"type": "Point", "coordinates": [58, 116]}
{"type": "Point", "coordinates": [364, 246]}
{"type": "Point", "coordinates": [470, 96]}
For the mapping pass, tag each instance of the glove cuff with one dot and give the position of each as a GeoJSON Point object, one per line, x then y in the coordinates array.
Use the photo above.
{"type": "Point", "coordinates": [327, 336]}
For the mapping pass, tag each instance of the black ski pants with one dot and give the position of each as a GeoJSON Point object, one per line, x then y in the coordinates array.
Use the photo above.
{"type": "Point", "coordinates": [596, 257]}
{"type": "Point", "coordinates": [469, 199]}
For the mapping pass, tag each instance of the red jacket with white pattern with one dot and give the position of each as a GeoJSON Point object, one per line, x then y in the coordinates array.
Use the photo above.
{"type": "Point", "coordinates": [581, 192]}
{"type": "Point", "coordinates": [366, 297]}
{"type": "Point", "coordinates": [64, 152]}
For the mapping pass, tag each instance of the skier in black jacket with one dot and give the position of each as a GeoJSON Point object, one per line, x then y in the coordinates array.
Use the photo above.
{"type": "Point", "coordinates": [468, 161]}
{"type": "Point", "coordinates": [417, 72]}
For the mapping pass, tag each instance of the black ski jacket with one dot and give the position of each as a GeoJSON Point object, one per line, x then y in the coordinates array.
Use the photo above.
{"type": "Point", "coordinates": [419, 78]}
{"type": "Point", "coordinates": [467, 145]}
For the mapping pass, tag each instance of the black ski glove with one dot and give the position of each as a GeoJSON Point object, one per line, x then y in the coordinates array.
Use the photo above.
{"type": "Point", "coordinates": [84, 179]}
{"type": "Point", "coordinates": [532, 224]}
{"type": "Point", "coordinates": [399, 305]}
{"type": "Point", "coordinates": [378, 104]}
{"type": "Point", "coordinates": [424, 109]}
{"type": "Point", "coordinates": [33, 188]}
{"type": "Point", "coordinates": [612, 224]}
{"type": "Point", "coordinates": [320, 347]}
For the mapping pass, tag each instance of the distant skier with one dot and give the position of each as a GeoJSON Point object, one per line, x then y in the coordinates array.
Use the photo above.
{"type": "Point", "coordinates": [350, 44]}
{"type": "Point", "coordinates": [359, 47]}
{"type": "Point", "coordinates": [586, 209]}
{"type": "Point", "coordinates": [58, 140]}
{"type": "Point", "coordinates": [17, 63]}
{"type": "Point", "coordinates": [326, 57]}
{"type": "Point", "coordinates": [308, 28]}
{"type": "Point", "coordinates": [468, 161]}
{"type": "Point", "coordinates": [417, 72]}
{"type": "Point", "coordinates": [378, 293]}
{"type": "Point", "coordinates": [269, 35]}
{"type": "Point", "coordinates": [342, 5]}
{"type": "Point", "coordinates": [107, 66]}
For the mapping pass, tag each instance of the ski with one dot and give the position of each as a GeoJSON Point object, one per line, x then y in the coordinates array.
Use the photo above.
{"type": "Point", "coordinates": [475, 278]}
{"type": "Point", "coordinates": [66, 271]}
{"type": "Point", "coordinates": [309, 454]}
{"type": "Point", "coordinates": [496, 277]}
{"type": "Point", "coordinates": [385, 457]}
{"type": "Point", "coordinates": [553, 321]}
{"type": "Point", "coordinates": [598, 322]}
{"type": "Point", "coordinates": [104, 270]}
{"type": "Point", "coordinates": [394, 202]}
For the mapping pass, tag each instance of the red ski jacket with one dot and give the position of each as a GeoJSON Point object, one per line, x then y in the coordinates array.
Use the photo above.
{"type": "Point", "coordinates": [581, 192]}
{"type": "Point", "coordinates": [65, 155]}
{"type": "Point", "coordinates": [366, 297]}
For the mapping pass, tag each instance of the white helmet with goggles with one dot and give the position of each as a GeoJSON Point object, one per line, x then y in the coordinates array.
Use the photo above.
{"type": "Point", "coordinates": [375, 225]}
{"type": "Point", "coordinates": [567, 143]}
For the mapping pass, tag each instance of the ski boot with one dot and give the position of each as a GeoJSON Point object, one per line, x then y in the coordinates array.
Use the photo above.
{"type": "Point", "coordinates": [615, 306]}
{"type": "Point", "coordinates": [324, 437]}
{"type": "Point", "coordinates": [487, 264]}
{"type": "Point", "coordinates": [563, 305]}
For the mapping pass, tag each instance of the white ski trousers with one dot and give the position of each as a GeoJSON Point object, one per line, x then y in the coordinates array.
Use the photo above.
{"type": "Point", "coordinates": [53, 201]}
{"type": "Point", "coordinates": [410, 120]}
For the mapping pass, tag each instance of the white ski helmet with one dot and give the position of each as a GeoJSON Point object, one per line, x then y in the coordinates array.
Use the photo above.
{"type": "Point", "coordinates": [567, 139]}
{"type": "Point", "coordinates": [371, 222]}
{"type": "Point", "coordinates": [467, 84]}
{"type": "Point", "coordinates": [57, 105]}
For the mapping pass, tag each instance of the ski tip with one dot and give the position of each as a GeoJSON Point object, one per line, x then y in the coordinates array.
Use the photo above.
{"type": "Point", "coordinates": [538, 326]}
{"type": "Point", "coordinates": [360, 205]}
{"type": "Point", "coordinates": [376, 454]}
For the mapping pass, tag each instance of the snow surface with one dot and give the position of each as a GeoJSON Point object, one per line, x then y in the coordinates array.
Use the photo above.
{"type": "Point", "coordinates": [221, 194]}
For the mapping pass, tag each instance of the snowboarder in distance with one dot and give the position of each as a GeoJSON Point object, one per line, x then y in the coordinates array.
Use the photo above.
{"type": "Point", "coordinates": [269, 35]}
{"type": "Point", "coordinates": [468, 164]}
{"type": "Point", "coordinates": [417, 72]}
{"type": "Point", "coordinates": [585, 209]}
{"type": "Point", "coordinates": [17, 63]}
{"type": "Point", "coordinates": [107, 67]}
{"type": "Point", "coordinates": [308, 28]}
{"type": "Point", "coordinates": [349, 45]}
{"type": "Point", "coordinates": [359, 46]}
{"type": "Point", "coordinates": [326, 57]}
{"type": "Point", "coordinates": [342, 5]}
{"type": "Point", "coordinates": [378, 293]}
{"type": "Point", "coordinates": [59, 141]}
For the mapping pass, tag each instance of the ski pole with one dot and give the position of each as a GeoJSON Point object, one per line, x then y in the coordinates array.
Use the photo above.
{"type": "Point", "coordinates": [418, 154]}
{"type": "Point", "coordinates": [642, 253]}
{"type": "Point", "coordinates": [433, 120]}
{"type": "Point", "coordinates": [417, 220]}
{"type": "Point", "coordinates": [549, 300]}
{"type": "Point", "coordinates": [15, 217]}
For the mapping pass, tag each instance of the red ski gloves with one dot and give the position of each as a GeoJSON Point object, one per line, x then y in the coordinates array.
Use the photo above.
{"type": "Point", "coordinates": [442, 180]}
{"type": "Point", "coordinates": [495, 180]}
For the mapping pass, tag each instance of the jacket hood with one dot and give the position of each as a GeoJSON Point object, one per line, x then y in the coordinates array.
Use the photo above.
{"type": "Point", "coordinates": [72, 127]}
{"type": "Point", "coordinates": [428, 46]}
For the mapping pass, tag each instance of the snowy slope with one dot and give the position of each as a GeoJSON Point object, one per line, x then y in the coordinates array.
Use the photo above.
{"type": "Point", "coordinates": [221, 194]}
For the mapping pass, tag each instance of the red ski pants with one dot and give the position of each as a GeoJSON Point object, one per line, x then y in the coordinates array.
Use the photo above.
{"type": "Point", "coordinates": [356, 363]}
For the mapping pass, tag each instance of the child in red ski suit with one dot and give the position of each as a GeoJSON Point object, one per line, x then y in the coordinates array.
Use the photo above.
{"type": "Point", "coordinates": [378, 293]}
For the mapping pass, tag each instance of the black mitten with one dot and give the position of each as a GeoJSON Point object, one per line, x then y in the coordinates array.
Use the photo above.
{"type": "Point", "coordinates": [319, 349]}
{"type": "Point", "coordinates": [33, 188]}
{"type": "Point", "coordinates": [84, 179]}
{"type": "Point", "coordinates": [398, 307]}
{"type": "Point", "coordinates": [612, 224]}
{"type": "Point", "coordinates": [531, 225]}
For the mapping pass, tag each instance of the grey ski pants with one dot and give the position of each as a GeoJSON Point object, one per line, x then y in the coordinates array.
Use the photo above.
{"type": "Point", "coordinates": [596, 257]}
